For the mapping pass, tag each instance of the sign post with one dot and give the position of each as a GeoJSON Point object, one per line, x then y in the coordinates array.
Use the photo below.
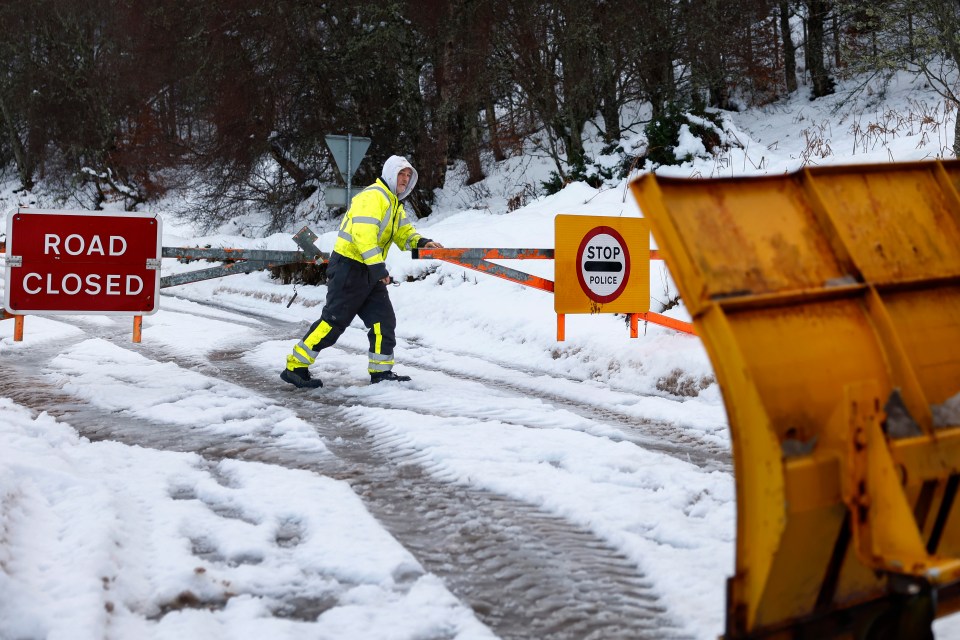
{"type": "Point", "coordinates": [347, 152]}
{"type": "Point", "coordinates": [602, 266]}
{"type": "Point", "coordinates": [89, 262]}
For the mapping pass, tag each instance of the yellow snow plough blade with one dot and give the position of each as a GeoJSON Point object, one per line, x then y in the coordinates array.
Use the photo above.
{"type": "Point", "coordinates": [829, 303]}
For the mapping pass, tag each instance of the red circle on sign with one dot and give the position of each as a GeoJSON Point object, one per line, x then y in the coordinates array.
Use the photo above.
{"type": "Point", "coordinates": [596, 231]}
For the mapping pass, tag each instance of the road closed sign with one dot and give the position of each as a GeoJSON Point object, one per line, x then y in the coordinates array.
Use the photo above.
{"type": "Point", "coordinates": [602, 265]}
{"type": "Point", "coordinates": [82, 262]}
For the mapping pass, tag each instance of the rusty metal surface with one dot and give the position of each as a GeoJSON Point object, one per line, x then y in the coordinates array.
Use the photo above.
{"type": "Point", "coordinates": [475, 254]}
{"type": "Point", "coordinates": [247, 266]}
{"type": "Point", "coordinates": [477, 259]}
{"type": "Point", "coordinates": [305, 239]}
{"type": "Point", "coordinates": [829, 303]}
{"type": "Point", "coordinates": [241, 260]}
{"type": "Point", "coordinates": [187, 254]}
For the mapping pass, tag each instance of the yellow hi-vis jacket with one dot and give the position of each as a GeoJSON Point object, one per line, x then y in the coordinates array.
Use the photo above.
{"type": "Point", "coordinates": [375, 219]}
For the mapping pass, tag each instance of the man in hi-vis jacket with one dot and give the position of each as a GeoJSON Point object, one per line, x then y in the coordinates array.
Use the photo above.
{"type": "Point", "coordinates": [357, 276]}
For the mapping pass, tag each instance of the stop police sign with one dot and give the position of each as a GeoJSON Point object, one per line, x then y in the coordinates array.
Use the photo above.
{"type": "Point", "coordinates": [601, 264]}
{"type": "Point", "coordinates": [82, 262]}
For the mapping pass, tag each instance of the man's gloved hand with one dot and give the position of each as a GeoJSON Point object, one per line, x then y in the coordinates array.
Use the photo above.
{"type": "Point", "coordinates": [433, 245]}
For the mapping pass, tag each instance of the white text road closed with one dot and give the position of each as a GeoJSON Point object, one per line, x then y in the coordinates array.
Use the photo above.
{"type": "Point", "coordinates": [91, 284]}
{"type": "Point", "coordinates": [603, 262]}
{"type": "Point", "coordinates": [82, 262]}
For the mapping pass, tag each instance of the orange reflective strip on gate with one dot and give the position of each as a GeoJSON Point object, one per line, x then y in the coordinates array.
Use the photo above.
{"type": "Point", "coordinates": [478, 259]}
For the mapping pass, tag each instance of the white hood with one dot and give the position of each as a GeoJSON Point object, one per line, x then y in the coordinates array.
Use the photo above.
{"type": "Point", "coordinates": [393, 166]}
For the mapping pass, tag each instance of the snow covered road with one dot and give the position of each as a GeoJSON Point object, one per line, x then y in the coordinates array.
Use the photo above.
{"type": "Point", "coordinates": [505, 501]}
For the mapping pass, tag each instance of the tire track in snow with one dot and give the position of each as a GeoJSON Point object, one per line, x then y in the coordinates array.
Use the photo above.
{"type": "Point", "coordinates": [674, 439]}
{"type": "Point", "coordinates": [25, 383]}
{"type": "Point", "coordinates": [677, 440]}
{"type": "Point", "coordinates": [526, 573]}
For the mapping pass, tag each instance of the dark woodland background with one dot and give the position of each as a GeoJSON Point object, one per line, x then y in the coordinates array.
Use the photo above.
{"type": "Point", "coordinates": [127, 100]}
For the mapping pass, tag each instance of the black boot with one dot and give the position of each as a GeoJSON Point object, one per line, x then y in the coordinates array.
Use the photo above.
{"type": "Point", "coordinates": [300, 378]}
{"type": "Point", "coordinates": [382, 376]}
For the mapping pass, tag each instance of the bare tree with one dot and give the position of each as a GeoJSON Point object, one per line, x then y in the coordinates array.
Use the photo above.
{"type": "Point", "coordinates": [656, 52]}
{"type": "Point", "coordinates": [789, 49]}
{"type": "Point", "coordinates": [919, 35]}
{"type": "Point", "coordinates": [109, 99]}
{"type": "Point", "coordinates": [936, 47]}
{"type": "Point", "coordinates": [815, 46]}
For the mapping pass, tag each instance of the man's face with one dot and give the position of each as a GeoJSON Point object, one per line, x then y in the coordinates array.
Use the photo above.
{"type": "Point", "coordinates": [403, 179]}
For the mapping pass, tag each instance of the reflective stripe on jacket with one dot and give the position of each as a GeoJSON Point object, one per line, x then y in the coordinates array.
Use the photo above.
{"type": "Point", "coordinates": [375, 219]}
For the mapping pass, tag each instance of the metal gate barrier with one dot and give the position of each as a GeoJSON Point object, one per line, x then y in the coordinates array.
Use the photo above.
{"type": "Point", "coordinates": [829, 303]}
{"type": "Point", "coordinates": [479, 259]}
{"type": "Point", "coordinates": [235, 261]}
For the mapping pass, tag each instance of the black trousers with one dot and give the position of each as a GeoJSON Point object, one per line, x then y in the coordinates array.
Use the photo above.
{"type": "Point", "coordinates": [352, 292]}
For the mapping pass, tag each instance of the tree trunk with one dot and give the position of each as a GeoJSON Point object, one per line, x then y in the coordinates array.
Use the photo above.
{"type": "Point", "coordinates": [494, 128]}
{"type": "Point", "coordinates": [956, 132]}
{"type": "Point", "coordinates": [837, 60]}
{"type": "Point", "coordinates": [609, 105]}
{"type": "Point", "coordinates": [471, 148]}
{"type": "Point", "coordinates": [444, 116]}
{"type": "Point", "coordinates": [20, 155]}
{"type": "Point", "coordinates": [573, 140]}
{"type": "Point", "coordinates": [658, 47]}
{"type": "Point", "coordinates": [298, 175]}
{"type": "Point", "coordinates": [911, 53]}
{"type": "Point", "coordinates": [715, 79]}
{"type": "Point", "coordinates": [822, 82]}
{"type": "Point", "coordinates": [789, 49]}
{"type": "Point", "coordinates": [433, 149]}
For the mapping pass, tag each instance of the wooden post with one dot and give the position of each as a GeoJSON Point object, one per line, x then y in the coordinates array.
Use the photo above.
{"type": "Point", "coordinates": [137, 328]}
{"type": "Point", "coordinates": [18, 328]}
{"type": "Point", "coordinates": [561, 327]}
{"type": "Point", "coordinates": [634, 332]}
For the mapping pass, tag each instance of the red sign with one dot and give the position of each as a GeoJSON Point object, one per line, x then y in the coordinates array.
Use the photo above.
{"type": "Point", "coordinates": [83, 262]}
{"type": "Point", "coordinates": [603, 264]}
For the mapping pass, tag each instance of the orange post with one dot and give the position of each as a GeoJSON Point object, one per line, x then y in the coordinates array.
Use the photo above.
{"type": "Point", "coordinates": [634, 331]}
{"type": "Point", "coordinates": [670, 323]}
{"type": "Point", "coordinates": [561, 327]}
{"type": "Point", "coordinates": [137, 328]}
{"type": "Point", "coordinates": [18, 328]}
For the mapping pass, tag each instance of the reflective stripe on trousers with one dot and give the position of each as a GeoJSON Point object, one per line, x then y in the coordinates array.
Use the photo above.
{"type": "Point", "coordinates": [350, 294]}
{"type": "Point", "coordinates": [379, 361]}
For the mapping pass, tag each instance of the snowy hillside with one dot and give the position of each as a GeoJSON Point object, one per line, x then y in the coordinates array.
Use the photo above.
{"type": "Point", "coordinates": [517, 487]}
